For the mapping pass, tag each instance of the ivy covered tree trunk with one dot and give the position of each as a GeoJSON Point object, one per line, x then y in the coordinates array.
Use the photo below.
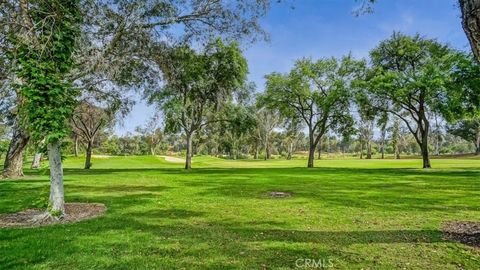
{"type": "Point", "coordinates": [37, 158]}
{"type": "Point", "coordinates": [188, 160]}
{"type": "Point", "coordinates": [57, 204]}
{"type": "Point", "coordinates": [13, 166]}
{"type": "Point", "coordinates": [88, 156]}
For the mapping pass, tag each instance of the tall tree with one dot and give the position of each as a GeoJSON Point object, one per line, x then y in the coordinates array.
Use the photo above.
{"type": "Point", "coordinates": [316, 92]}
{"type": "Point", "coordinates": [408, 78]}
{"type": "Point", "coordinates": [197, 86]}
{"type": "Point", "coordinates": [44, 56]}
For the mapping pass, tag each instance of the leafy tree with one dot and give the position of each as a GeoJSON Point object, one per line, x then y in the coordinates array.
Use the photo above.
{"type": "Point", "coordinates": [153, 133]}
{"type": "Point", "coordinates": [293, 129]}
{"type": "Point", "coordinates": [468, 130]}
{"type": "Point", "coordinates": [44, 54]}
{"type": "Point", "coordinates": [316, 92]}
{"type": "Point", "coordinates": [197, 86]}
{"type": "Point", "coordinates": [87, 121]}
{"type": "Point", "coordinates": [240, 122]}
{"type": "Point", "coordinates": [408, 78]}
{"type": "Point", "coordinates": [267, 120]}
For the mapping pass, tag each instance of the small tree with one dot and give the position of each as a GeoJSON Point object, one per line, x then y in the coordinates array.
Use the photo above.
{"type": "Point", "coordinates": [87, 121]}
{"type": "Point", "coordinates": [152, 133]}
{"type": "Point", "coordinates": [316, 92]}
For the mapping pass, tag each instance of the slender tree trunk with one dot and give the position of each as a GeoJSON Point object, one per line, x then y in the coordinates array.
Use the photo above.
{"type": "Point", "coordinates": [265, 148]}
{"type": "Point", "coordinates": [255, 156]}
{"type": "Point", "coordinates": [361, 150]}
{"type": "Point", "coordinates": [290, 150]}
{"type": "Point", "coordinates": [311, 151]}
{"type": "Point", "coordinates": [152, 151]}
{"type": "Point", "coordinates": [369, 150]}
{"type": "Point", "coordinates": [424, 149]}
{"type": "Point", "coordinates": [477, 143]}
{"type": "Point", "coordinates": [13, 166]}
{"type": "Point", "coordinates": [320, 149]}
{"type": "Point", "coordinates": [76, 146]}
{"type": "Point", "coordinates": [36, 161]}
{"type": "Point", "coordinates": [397, 151]}
{"type": "Point", "coordinates": [88, 156]}
{"type": "Point", "coordinates": [188, 160]}
{"type": "Point", "coordinates": [56, 179]}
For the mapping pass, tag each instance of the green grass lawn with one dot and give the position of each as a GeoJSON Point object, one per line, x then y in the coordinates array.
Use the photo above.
{"type": "Point", "coordinates": [359, 214]}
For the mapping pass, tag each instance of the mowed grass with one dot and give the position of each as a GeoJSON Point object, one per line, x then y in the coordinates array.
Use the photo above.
{"type": "Point", "coordinates": [359, 214]}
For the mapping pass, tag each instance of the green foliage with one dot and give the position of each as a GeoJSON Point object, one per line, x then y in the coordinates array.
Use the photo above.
{"type": "Point", "coordinates": [316, 92]}
{"type": "Point", "coordinates": [44, 58]}
{"type": "Point", "coordinates": [197, 85]}
{"type": "Point", "coordinates": [463, 92]}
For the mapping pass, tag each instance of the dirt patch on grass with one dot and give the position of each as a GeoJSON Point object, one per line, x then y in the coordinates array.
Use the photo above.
{"type": "Point", "coordinates": [74, 212]}
{"type": "Point", "coordinates": [467, 232]}
{"type": "Point", "coordinates": [279, 194]}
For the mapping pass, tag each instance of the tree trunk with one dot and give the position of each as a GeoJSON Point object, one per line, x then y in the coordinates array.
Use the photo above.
{"type": "Point", "coordinates": [56, 179]}
{"type": "Point", "coordinates": [361, 150]}
{"type": "Point", "coordinates": [320, 149]}
{"type": "Point", "coordinates": [13, 166]}
{"type": "Point", "coordinates": [477, 143]}
{"type": "Point", "coordinates": [36, 161]}
{"type": "Point", "coordinates": [470, 12]}
{"type": "Point", "coordinates": [311, 151]}
{"type": "Point", "coordinates": [369, 150]}
{"type": "Point", "coordinates": [188, 160]}
{"type": "Point", "coordinates": [265, 148]}
{"type": "Point", "coordinates": [290, 150]}
{"type": "Point", "coordinates": [255, 155]}
{"type": "Point", "coordinates": [76, 146]}
{"type": "Point", "coordinates": [397, 152]}
{"type": "Point", "coordinates": [88, 156]}
{"type": "Point", "coordinates": [424, 149]}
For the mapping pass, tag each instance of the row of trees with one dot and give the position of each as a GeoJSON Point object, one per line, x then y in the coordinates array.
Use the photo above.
{"type": "Point", "coordinates": [67, 65]}
{"type": "Point", "coordinates": [57, 54]}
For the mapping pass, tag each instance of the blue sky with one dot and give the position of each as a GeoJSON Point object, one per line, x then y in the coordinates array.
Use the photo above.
{"type": "Point", "coordinates": [325, 28]}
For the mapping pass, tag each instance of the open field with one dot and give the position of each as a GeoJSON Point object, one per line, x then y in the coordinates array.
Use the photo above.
{"type": "Point", "coordinates": [356, 214]}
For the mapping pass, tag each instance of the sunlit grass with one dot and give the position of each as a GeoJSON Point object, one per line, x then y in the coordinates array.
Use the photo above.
{"type": "Point", "coordinates": [377, 214]}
